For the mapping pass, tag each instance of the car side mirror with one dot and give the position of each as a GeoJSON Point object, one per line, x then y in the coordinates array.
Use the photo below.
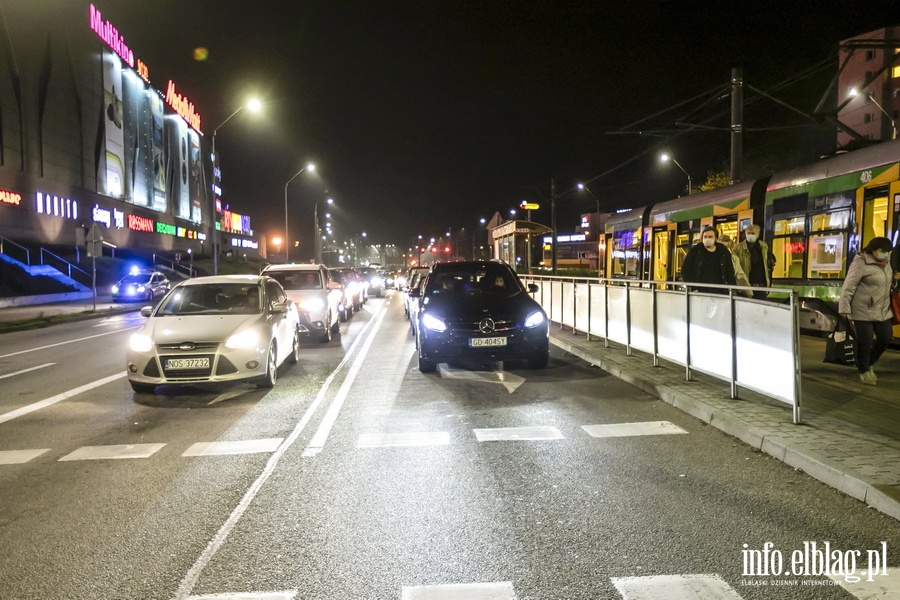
{"type": "Point", "coordinates": [533, 288]}
{"type": "Point", "coordinates": [334, 285]}
{"type": "Point", "coordinates": [280, 307]}
{"type": "Point", "coordinates": [414, 293]}
{"type": "Point", "coordinates": [146, 311]}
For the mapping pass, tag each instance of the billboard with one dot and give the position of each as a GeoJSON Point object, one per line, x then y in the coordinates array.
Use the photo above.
{"type": "Point", "coordinates": [111, 177]}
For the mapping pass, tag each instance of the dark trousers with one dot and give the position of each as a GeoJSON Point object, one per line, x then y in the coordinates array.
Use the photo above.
{"type": "Point", "coordinates": [872, 339]}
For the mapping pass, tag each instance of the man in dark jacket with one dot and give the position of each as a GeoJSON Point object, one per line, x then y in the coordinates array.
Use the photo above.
{"type": "Point", "coordinates": [709, 262]}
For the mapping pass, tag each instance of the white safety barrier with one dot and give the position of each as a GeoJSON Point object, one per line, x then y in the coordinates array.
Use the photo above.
{"type": "Point", "coordinates": [753, 344]}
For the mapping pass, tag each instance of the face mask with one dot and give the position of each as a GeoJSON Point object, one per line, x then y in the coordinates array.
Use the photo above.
{"type": "Point", "coordinates": [709, 242]}
{"type": "Point", "coordinates": [881, 256]}
{"type": "Point", "coordinates": [751, 238]}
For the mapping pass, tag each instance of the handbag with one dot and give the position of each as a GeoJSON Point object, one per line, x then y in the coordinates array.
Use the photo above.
{"type": "Point", "coordinates": [840, 346]}
{"type": "Point", "coordinates": [895, 307]}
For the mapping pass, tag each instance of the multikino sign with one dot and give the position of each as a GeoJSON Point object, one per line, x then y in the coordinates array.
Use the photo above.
{"type": "Point", "coordinates": [110, 35]}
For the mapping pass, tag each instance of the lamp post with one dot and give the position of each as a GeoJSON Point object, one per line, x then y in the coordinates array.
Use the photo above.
{"type": "Point", "coordinates": [854, 93]}
{"type": "Point", "coordinates": [666, 158]}
{"type": "Point", "coordinates": [287, 239]}
{"type": "Point", "coordinates": [318, 238]}
{"type": "Point", "coordinates": [254, 106]}
{"type": "Point", "coordinates": [581, 186]}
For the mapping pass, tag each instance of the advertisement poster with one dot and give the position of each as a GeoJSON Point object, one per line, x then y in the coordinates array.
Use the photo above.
{"type": "Point", "coordinates": [157, 151]}
{"type": "Point", "coordinates": [112, 179]}
{"type": "Point", "coordinates": [177, 143]}
{"type": "Point", "coordinates": [196, 178]}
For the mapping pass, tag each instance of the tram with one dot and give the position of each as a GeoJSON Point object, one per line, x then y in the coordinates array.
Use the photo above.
{"type": "Point", "coordinates": [815, 219]}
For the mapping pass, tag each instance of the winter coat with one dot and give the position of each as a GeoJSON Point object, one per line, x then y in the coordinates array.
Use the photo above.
{"type": "Point", "coordinates": [866, 293]}
{"type": "Point", "coordinates": [692, 268]}
{"type": "Point", "coordinates": [742, 252]}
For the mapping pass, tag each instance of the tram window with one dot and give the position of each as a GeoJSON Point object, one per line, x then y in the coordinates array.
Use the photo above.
{"type": "Point", "coordinates": [875, 213]}
{"type": "Point", "coordinates": [834, 220]}
{"type": "Point", "coordinates": [826, 256]}
{"type": "Point", "coordinates": [729, 228]}
{"type": "Point", "coordinates": [625, 252]}
{"type": "Point", "coordinates": [789, 251]}
{"type": "Point", "coordinates": [661, 258]}
{"type": "Point", "coordinates": [789, 226]}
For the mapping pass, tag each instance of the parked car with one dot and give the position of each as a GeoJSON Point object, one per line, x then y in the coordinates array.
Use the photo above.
{"type": "Point", "coordinates": [315, 293]}
{"type": "Point", "coordinates": [215, 329]}
{"type": "Point", "coordinates": [373, 280]}
{"type": "Point", "coordinates": [479, 310]}
{"type": "Point", "coordinates": [141, 285]}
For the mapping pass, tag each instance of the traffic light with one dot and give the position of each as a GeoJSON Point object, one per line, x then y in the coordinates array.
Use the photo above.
{"type": "Point", "coordinates": [446, 248]}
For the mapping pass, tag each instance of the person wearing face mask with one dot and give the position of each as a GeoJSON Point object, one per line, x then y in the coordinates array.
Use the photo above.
{"type": "Point", "coordinates": [865, 300]}
{"type": "Point", "coordinates": [709, 262]}
{"type": "Point", "coordinates": [756, 260]}
{"type": "Point", "coordinates": [740, 277]}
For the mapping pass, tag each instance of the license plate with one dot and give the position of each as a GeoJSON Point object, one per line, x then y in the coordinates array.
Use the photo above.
{"type": "Point", "coordinates": [187, 363]}
{"type": "Point", "coordinates": [487, 342]}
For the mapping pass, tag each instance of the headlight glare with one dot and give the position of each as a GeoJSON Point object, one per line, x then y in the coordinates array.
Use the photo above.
{"type": "Point", "coordinates": [245, 339]}
{"type": "Point", "coordinates": [312, 304]}
{"type": "Point", "coordinates": [534, 319]}
{"type": "Point", "coordinates": [434, 324]}
{"type": "Point", "coordinates": [140, 343]}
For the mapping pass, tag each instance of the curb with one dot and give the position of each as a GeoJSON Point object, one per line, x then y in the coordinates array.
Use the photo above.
{"type": "Point", "coordinates": [883, 498]}
{"type": "Point", "coordinates": [44, 299]}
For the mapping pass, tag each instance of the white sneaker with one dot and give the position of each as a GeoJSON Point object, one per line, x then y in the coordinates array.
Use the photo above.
{"type": "Point", "coordinates": [872, 373]}
{"type": "Point", "coordinates": [867, 378]}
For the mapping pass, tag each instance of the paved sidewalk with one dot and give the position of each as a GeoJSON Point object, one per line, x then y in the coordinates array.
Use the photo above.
{"type": "Point", "coordinates": [850, 435]}
{"type": "Point", "coordinates": [104, 306]}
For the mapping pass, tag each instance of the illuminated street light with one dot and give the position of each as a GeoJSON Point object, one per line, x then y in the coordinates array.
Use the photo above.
{"type": "Point", "coordinates": [253, 105]}
{"type": "Point", "coordinates": [318, 248]}
{"type": "Point", "coordinates": [309, 167]}
{"type": "Point", "coordinates": [666, 158]}
{"type": "Point", "coordinates": [585, 188]}
{"type": "Point", "coordinates": [854, 93]}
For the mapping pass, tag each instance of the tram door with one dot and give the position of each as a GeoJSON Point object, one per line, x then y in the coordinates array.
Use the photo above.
{"type": "Point", "coordinates": [662, 254]}
{"type": "Point", "coordinates": [875, 213]}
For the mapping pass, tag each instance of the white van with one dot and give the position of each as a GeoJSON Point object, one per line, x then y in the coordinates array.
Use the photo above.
{"type": "Point", "coordinates": [315, 294]}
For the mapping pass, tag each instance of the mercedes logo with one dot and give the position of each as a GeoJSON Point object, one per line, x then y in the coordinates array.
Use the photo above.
{"type": "Point", "coordinates": [187, 346]}
{"type": "Point", "coordinates": [486, 326]}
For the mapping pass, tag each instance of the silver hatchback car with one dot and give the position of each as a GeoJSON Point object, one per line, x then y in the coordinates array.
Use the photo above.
{"type": "Point", "coordinates": [316, 295]}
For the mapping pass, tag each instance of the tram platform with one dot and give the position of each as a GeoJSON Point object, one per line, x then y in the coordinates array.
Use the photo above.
{"type": "Point", "coordinates": [849, 436]}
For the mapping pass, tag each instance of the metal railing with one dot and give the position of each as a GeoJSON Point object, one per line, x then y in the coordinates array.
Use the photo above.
{"type": "Point", "coordinates": [752, 344]}
{"type": "Point", "coordinates": [14, 250]}
{"type": "Point", "coordinates": [63, 266]}
{"type": "Point", "coordinates": [175, 266]}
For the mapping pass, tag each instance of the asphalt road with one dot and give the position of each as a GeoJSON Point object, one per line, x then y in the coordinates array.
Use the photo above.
{"type": "Point", "coordinates": [359, 477]}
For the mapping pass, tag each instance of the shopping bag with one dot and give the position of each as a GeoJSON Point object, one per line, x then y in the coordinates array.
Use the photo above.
{"type": "Point", "coordinates": [840, 346]}
{"type": "Point", "coordinates": [895, 307]}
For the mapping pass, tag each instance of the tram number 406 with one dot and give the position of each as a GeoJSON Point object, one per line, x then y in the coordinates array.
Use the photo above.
{"type": "Point", "coordinates": [866, 176]}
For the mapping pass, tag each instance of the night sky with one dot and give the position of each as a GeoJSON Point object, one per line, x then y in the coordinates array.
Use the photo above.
{"type": "Point", "coordinates": [424, 116]}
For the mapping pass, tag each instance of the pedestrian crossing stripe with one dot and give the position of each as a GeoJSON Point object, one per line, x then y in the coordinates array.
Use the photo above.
{"type": "Point", "coordinates": [285, 595]}
{"type": "Point", "coordinates": [518, 433]}
{"type": "Point", "coordinates": [383, 440]}
{"type": "Point", "coordinates": [675, 587]}
{"type": "Point", "coordinates": [17, 457]}
{"type": "Point", "coordinates": [633, 429]}
{"type": "Point", "coordinates": [113, 452]}
{"type": "Point", "coordinates": [235, 447]}
{"type": "Point", "coordinates": [461, 591]}
{"type": "Point", "coordinates": [881, 587]}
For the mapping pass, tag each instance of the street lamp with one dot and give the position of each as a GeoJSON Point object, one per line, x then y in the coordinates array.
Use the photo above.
{"type": "Point", "coordinates": [854, 93]}
{"type": "Point", "coordinates": [585, 188]}
{"type": "Point", "coordinates": [319, 238]}
{"type": "Point", "coordinates": [309, 167]}
{"type": "Point", "coordinates": [253, 105]}
{"type": "Point", "coordinates": [666, 158]}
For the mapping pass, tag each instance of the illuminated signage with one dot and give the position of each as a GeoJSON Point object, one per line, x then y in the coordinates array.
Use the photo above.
{"type": "Point", "coordinates": [10, 197]}
{"type": "Point", "coordinates": [254, 245]}
{"type": "Point", "coordinates": [46, 204]}
{"type": "Point", "coordinates": [586, 221]}
{"type": "Point", "coordinates": [575, 237]}
{"type": "Point", "coordinates": [529, 206]}
{"type": "Point", "coordinates": [216, 190]}
{"type": "Point", "coordinates": [137, 223]}
{"type": "Point", "coordinates": [165, 228]}
{"type": "Point", "coordinates": [102, 215]}
{"type": "Point", "coordinates": [235, 222]}
{"type": "Point", "coordinates": [183, 106]}
{"type": "Point", "coordinates": [110, 35]}
{"type": "Point", "coordinates": [119, 218]}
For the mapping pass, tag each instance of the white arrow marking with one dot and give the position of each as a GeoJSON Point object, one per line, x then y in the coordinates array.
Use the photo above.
{"type": "Point", "coordinates": [508, 380]}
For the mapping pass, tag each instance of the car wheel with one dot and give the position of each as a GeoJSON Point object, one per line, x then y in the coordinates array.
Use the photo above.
{"type": "Point", "coordinates": [150, 296]}
{"type": "Point", "coordinates": [336, 328]}
{"type": "Point", "coordinates": [271, 376]}
{"type": "Point", "coordinates": [142, 388]}
{"type": "Point", "coordinates": [294, 357]}
{"type": "Point", "coordinates": [539, 360]}
{"type": "Point", "coordinates": [427, 366]}
{"type": "Point", "coordinates": [326, 336]}
{"type": "Point", "coordinates": [343, 318]}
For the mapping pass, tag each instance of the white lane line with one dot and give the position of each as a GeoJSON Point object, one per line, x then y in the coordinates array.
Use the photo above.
{"type": "Point", "coordinates": [317, 443]}
{"type": "Point", "coordinates": [26, 370]}
{"type": "Point", "coordinates": [384, 440]}
{"type": "Point", "coordinates": [630, 429]}
{"type": "Point", "coordinates": [193, 575]}
{"type": "Point", "coordinates": [90, 337]}
{"type": "Point", "coordinates": [234, 447]}
{"type": "Point", "coordinates": [17, 457]}
{"type": "Point", "coordinates": [882, 587]}
{"type": "Point", "coordinates": [119, 451]}
{"type": "Point", "coordinates": [461, 591]}
{"type": "Point", "coordinates": [675, 587]}
{"type": "Point", "coordinates": [58, 398]}
{"type": "Point", "coordinates": [518, 433]}
{"type": "Point", "coordinates": [285, 595]}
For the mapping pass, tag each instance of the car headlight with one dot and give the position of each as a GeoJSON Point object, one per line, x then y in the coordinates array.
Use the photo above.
{"type": "Point", "coordinates": [245, 339]}
{"type": "Point", "coordinates": [434, 324]}
{"type": "Point", "coordinates": [141, 288]}
{"type": "Point", "coordinates": [312, 304]}
{"type": "Point", "coordinates": [376, 281]}
{"type": "Point", "coordinates": [534, 319]}
{"type": "Point", "coordinates": [140, 343]}
{"type": "Point", "coordinates": [115, 289]}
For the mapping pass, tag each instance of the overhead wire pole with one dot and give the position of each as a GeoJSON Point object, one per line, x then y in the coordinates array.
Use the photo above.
{"type": "Point", "coordinates": [737, 124]}
{"type": "Point", "coordinates": [553, 235]}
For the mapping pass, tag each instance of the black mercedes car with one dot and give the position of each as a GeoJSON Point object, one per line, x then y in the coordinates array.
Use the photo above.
{"type": "Point", "coordinates": [479, 310]}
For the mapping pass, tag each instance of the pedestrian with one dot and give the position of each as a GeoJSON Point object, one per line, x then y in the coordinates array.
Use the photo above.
{"type": "Point", "coordinates": [708, 262]}
{"type": "Point", "coordinates": [866, 302]}
{"type": "Point", "coordinates": [740, 277]}
{"type": "Point", "coordinates": [757, 260]}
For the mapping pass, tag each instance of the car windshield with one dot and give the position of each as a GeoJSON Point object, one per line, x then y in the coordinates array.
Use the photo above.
{"type": "Point", "coordinates": [135, 279]}
{"type": "Point", "coordinates": [478, 279]}
{"type": "Point", "coordinates": [297, 280]}
{"type": "Point", "coordinates": [213, 298]}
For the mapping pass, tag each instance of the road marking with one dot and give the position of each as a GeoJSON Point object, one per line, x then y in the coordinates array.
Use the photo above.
{"type": "Point", "coordinates": [461, 591]}
{"type": "Point", "coordinates": [26, 370]}
{"type": "Point", "coordinates": [58, 398]}
{"type": "Point", "coordinates": [285, 595]}
{"type": "Point", "coordinates": [675, 587]}
{"type": "Point", "coordinates": [317, 443]}
{"type": "Point", "coordinates": [234, 447]}
{"type": "Point", "coordinates": [90, 337]}
{"type": "Point", "coordinates": [882, 588]}
{"type": "Point", "coordinates": [518, 433]}
{"type": "Point", "coordinates": [629, 429]}
{"type": "Point", "coordinates": [193, 575]}
{"type": "Point", "coordinates": [113, 452]}
{"type": "Point", "coordinates": [17, 457]}
{"type": "Point", "coordinates": [508, 380]}
{"type": "Point", "coordinates": [383, 440]}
